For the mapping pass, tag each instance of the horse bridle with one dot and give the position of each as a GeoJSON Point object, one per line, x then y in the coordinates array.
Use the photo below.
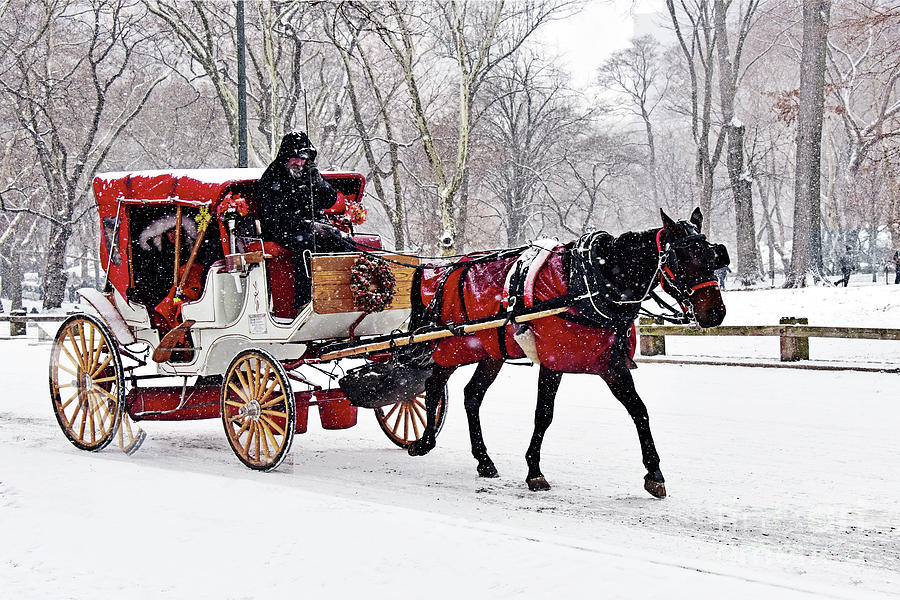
{"type": "Point", "coordinates": [672, 278]}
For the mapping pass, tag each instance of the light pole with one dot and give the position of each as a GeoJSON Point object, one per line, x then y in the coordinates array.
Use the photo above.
{"type": "Point", "coordinates": [242, 88]}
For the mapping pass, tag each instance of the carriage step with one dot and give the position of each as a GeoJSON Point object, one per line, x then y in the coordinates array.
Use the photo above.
{"type": "Point", "coordinates": [175, 341]}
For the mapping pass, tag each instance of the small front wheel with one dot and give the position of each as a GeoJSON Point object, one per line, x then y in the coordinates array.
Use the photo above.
{"type": "Point", "coordinates": [404, 422]}
{"type": "Point", "coordinates": [87, 382]}
{"type": "Point", "coordinates": [258, 410]}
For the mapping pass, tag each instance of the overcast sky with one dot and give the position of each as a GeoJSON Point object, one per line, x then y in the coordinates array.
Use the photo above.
{"type": "Point", "coordinates": [586, 39]}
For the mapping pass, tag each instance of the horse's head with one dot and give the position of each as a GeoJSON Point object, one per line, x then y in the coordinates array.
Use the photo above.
{"type": "Point", "coordinates": [689, 262]}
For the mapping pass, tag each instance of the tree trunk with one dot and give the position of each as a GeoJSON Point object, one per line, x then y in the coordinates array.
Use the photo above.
{"type": "Point", "coordinates": [13, 273]}
{"type": "Point", "coordinates": [748, 252]}
{"type": "Point", "coordinates": [806, 254]}
{"type": "Point", "coordinates": [53, 282]}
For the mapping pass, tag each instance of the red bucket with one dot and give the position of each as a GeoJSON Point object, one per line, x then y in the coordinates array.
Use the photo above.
{"type": "Point", "coordinates": [335, 410]}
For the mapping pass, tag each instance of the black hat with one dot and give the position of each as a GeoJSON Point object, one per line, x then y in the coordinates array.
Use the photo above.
{"type": "Point", "coordinates": [296, 145]}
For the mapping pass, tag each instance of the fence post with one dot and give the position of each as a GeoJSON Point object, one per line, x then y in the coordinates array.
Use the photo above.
{"type": "Point", "coordinates": [794, 348]}
{"type": "Point", "coordinates": [17, 322]}
{"type": "Point", "coordinates": [652, 345]}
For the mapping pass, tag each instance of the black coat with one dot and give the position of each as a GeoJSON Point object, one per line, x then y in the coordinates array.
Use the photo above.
{"type": "Point", "coordinates": [288, 204]}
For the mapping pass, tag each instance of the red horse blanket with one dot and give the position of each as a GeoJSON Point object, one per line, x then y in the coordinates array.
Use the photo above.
{"type": "Point", "coordinates": [561, 345]}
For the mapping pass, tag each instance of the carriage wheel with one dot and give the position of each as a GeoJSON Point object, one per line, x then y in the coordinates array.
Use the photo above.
{"type": "Point", "coordinates": [257, 408]}
{"type": "Point", "coordinates": [404, 422]}
{"type": "Point", "coordinates": [87, 382]}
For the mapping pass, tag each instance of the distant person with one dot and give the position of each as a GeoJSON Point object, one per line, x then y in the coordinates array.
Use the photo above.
{"type": "Point", "coordinates": [846, 265]}
{"type": "Point", "coordinates": [292, 197]}
{"type": "Point", "coordinates": [721, 274]}
{"type": "Point", "coordinates": [896, 259]}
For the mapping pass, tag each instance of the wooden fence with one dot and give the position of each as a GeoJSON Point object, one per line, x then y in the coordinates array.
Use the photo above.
{"type": "Point", "coordinates": [794, 333]}
{"type": "Point", "coordinates": [18, 321]}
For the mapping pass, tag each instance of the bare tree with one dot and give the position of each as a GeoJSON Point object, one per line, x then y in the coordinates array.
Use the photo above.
{"type": "Point", "coordinates": [697, 42]}
{"type": "Point", "coordinates": [527, 129]}
{"type": "Point", "coordinates": [479, 36]}
{"type": "Point", "coordinates": [74, 87]}
{"type": "Point", "coordinates": [636, 73]}
{"type": "Point", "coordinates": [383, 175]}
{"type": "Point", "coordinates": [806, 248]}
{"type": "Point", "coordinates": [738, 174]}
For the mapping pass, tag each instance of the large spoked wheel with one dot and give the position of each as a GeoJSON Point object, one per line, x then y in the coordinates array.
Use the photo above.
{"type": "Point", "coordinates": [87, 382]}
{"type": "Point", "coordinates": [404, 422]}
{"type": "Point", "coordinates": [257, 408]}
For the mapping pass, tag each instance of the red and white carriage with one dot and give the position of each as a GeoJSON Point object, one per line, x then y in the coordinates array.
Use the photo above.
{"type": "Point", "coordinates": [223, 321]}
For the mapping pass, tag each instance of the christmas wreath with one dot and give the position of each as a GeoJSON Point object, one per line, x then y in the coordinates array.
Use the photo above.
{"type": "Point", "coordinates": [372, 283]}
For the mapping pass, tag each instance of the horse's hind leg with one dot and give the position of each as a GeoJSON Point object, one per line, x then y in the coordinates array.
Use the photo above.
{"type": "Point", "coordinates": [434, 388]}
{"type": "Point", "coordinates": [484, 376]}
{"type": "Point", "coordinates": [621, 384]}
{"type": "Point", "coordinates": [548, 384]}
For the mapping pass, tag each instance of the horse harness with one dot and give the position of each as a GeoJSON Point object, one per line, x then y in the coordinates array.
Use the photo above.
{"type": "Point", "coordinates": [598, 301]}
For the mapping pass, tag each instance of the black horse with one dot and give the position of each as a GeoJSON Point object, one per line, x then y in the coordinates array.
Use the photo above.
{"type": "Point", "coordinates": [603, 279]}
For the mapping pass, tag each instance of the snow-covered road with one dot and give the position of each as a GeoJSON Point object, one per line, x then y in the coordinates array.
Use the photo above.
{"type": "Point", "coordinates": [782, 483]}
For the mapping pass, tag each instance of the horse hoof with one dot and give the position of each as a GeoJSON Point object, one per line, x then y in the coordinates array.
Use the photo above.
{"type": "Point", "coordinates": [657, 489]}
{"type": "Point", "coordinates": [538, 484]}
{"type": "Point", "coordinates": [489, 471]}
{"type": "Point", "coordinates": [419, 448]}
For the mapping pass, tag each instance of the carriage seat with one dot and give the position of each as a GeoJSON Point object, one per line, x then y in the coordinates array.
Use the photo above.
{"type": "Point", "coordinates": [280, 276]}
{"type": "Point", "coordinates": [279, 259]}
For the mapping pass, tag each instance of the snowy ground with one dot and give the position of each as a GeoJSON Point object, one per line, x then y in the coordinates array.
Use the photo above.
{"type": "Point", "coordinates": [782, 483]}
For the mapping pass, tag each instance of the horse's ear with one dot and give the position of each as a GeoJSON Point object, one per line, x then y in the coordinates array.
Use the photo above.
{"type": "Point", "coordinates": [697, 219]}
{"type": "Point", "coordinates": [668, 223]}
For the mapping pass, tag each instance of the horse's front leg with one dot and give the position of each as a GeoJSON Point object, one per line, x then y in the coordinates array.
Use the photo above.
{"type": "Point", "coordinates": [434, 391]}
{"type": "Point", "coordinates": [484, 376]}
{"type": "Point", "coordinates": [621, 384]}
{"type": "Point", "coordinates": [548, 384]}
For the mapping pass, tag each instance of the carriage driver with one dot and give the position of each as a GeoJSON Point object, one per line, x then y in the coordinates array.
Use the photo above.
{"type": "Point", "coordinates": [292, 196]}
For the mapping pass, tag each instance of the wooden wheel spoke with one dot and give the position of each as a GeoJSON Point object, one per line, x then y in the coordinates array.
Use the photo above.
{"type": "Point", "coordinates": [393, 409]}
{"type": "Point", "coordinates": [275, 445]}
{"type": "Point", "coordinates": [266, 382]}
{"type": "Point", "coordinates": [234, 403]}
{"type": "Point", "coordinates": [275, 413]}
{"type": "Point", "coordinates": [251, 430]}
{"type": "Point", "coordinates": [405, 422]}
{"type": "Point", "coordinates": [419, 403]}
{"type": "Point", "coordinates": [273, 402]}
{"type": "Point", "coordinates": [80, 360]}
{"type": "Point", "coordinates": [262, 437]}
{"type": "Point", "coordinates": [397, 420]}
{"type": "Point", "coordinates": [84, 412]}
{"type": "Point", "coordinates": [107, 394]}
{"type": "Point", "coordinates": [69, 400]}
{"type": "Point", "coordinates": [239, 392]}
{"type": "Point", "coordinates": [84, 349]}
{"type": "Point", "coordinates": [243, 381]}
{"type": "Point", "coordinates": [270, 386]}
{"type": "Point", "coordinates": [90, 349]}
{"type": "Point", "coordinates": [105, 379]}
{"type": "Point", "coordinates": [414, 417]}
{"type": "Point", "coordinates": [259, 380]}
{"type": "Point", "coordinates": [101, 420]}
{"type": "Point", "coordinates": [272, 424]}
{"type": "Point", "coordinates": [96, 371]}
{"type": "Point", "coordinates": [71, 422]}
{"type": "Point", "coordinates": [243, 428]}
{"type": "Point", "coordinates": [66, 369]}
